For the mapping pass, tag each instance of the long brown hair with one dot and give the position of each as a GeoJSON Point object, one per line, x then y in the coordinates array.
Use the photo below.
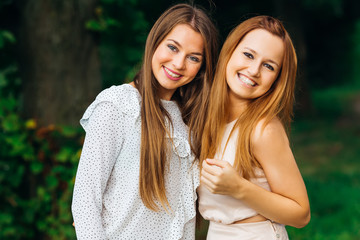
{"type": "Point", "coordinates": [277, 102]}
{"type": "Point", "coordinates": [191, 99]}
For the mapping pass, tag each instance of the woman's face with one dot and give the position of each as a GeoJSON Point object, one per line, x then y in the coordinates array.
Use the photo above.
{"type": "Point", "coordinates": [177, 59]}
{"type": "Point", "coordinates": [254, 65]}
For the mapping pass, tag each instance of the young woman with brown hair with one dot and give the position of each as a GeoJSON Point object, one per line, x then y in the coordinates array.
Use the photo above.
{"type": "Point", "coordinates": [250, 183]}
{"type": "Point", "coordinates": [136, 177]}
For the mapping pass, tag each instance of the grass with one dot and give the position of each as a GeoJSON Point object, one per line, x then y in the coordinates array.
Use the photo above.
{"type": "Point", "coordinates": [327, 149]}
{"type": "Point", "coordinates": [327, 153]}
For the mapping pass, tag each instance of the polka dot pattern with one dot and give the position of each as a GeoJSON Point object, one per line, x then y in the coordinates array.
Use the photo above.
{"type": "Point", "coordinates": [106, 200]}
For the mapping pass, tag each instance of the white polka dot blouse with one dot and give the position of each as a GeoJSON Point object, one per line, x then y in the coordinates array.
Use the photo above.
{"type": "Point", "coordinates": [106, 201]}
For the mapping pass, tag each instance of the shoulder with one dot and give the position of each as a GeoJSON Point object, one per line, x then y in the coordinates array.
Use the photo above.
{"type": "Point", "coordinates": [124, 99]}
{"type": "Point", "coordinates": [268, 133]}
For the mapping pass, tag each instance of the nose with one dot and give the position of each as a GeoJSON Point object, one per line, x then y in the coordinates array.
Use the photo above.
{"type": "Point", "coordinates": [254, 69]}
{"type": "Point", "coordinates": [179, 62]}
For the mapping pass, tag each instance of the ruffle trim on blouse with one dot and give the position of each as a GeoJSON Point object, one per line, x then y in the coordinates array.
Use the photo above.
{"type": "Point", "coordinates": [125, 98]}
{"type": "Point", "coordinates": [187, 201]}
{"type": "Point", "coordinates": [180, 146]}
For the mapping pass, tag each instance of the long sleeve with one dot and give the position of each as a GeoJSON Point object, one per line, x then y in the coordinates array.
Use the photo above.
{"type": "Point", "coordinates": [104, 125]}
{"type": "Point", "coordinates": [106, 200]}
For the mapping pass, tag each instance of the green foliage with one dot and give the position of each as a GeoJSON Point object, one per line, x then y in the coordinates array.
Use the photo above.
{"type": "Point", "coordinates": [335, 102]}
{"type": "Point", "coordinates": [123, 31]}
{"type": "Point", "coordinates": [333, 7]}
{"type": "Point", "coordinates": [37, 169]}
{"type": "Point", "coordinates": [37, 164]}
{"type": "Point", "coordinates": [326, 148]}
{"type": "Point", "coordinates": [6, 36]}
{"type": "Point", "coordinates": [327, 152]}
{"type": "Point", "coordinates": [355, 53]}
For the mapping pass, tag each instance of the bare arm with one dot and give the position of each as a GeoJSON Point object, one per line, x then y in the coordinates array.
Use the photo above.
{"type": "Point", "coordinates": [288, 202]}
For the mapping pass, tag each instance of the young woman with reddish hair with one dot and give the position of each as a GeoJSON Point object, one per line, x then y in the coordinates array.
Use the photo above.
{"type": "Point", "coordinates": [250, 183]}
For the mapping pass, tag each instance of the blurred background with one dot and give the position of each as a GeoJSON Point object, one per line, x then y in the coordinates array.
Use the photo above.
{"type": "Point", "coordinates": [56, 56]}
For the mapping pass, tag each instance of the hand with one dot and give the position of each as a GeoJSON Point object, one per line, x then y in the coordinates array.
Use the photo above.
{"type": "Point", "coordinates": [220, 177]}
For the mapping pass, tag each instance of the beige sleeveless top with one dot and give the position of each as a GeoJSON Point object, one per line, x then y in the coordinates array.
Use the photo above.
{"type": "Point", "coordinates": [223, 208]}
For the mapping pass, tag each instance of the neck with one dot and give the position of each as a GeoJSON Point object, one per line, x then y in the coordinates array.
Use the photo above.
{"type": "Point", "coordinates": [235, 107]}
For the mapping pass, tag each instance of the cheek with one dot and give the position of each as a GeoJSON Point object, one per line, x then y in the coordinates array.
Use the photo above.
{"type": "Point", "coordinates": [227, 71]}
{"type": "Point", "coordinates": [233, 65]}
{"type": "Point", "coordinates": [154, 61]}
{"type": "Point", "coordinates": [193, 70]}
{"type": "Point", "coordinates": [159, 56]}
{"type": "Point", "coordinates": [270, 80]}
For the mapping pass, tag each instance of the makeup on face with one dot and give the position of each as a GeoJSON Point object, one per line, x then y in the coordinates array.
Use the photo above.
{"type": "Point", "coordinates": [177, 59]}
{"type": "Point", "coordinates": [254, 65]}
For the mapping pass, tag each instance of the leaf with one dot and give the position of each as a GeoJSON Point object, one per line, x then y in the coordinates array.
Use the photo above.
{"type": "Point", "coordinates": [3, 81]}
{"type": "Point", "coordinates": [68, 131]}
{"type": "Point", "coordinates": [30, 124]}
{"type": "Point", "coordinates": [11, 123]}
{"type": "Point", "coordinates": [113, 22]}
{"type": "Point", "coordinates": [36, 167]}
{"type": "Point", "coordinates": [9, 36]}
{"type": "Point", "coordinates": [8, 104]}
{"type": "Point", "coordinates": [52, 181]}
{"type": "Point", "coordinates": [6, 218]}
{"type": "Point", "coordinates": [64, 155]}
{"type": "Point", "coordinates": [95, 25]}
{"type": "Point", "coordinates": [18, 145]}
{"type": "Point", "coordinates": [41, 192]}
{"type": "Point", "coordinates": [17, 176]}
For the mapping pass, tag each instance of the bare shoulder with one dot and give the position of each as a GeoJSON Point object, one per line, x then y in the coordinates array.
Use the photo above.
{"type": "Point", "coordinates": [271, 132]}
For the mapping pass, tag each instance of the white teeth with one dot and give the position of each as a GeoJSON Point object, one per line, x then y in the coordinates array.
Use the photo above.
{"type": "Point", "coordinates": [171, 73]}
{"type": "Point", "coordinates": [247, 81]}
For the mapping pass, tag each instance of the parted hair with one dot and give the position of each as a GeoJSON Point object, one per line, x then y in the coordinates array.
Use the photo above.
{"type": "Point", "coordinates": [276, 102]}
{"type": "Point", "coordinates": [191, 99]}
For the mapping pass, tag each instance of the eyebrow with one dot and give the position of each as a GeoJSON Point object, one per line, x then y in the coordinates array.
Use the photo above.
{"type": "Point", "coordinates": [177, 43]}
{"type": "Point", "coordinates": [269, 60]}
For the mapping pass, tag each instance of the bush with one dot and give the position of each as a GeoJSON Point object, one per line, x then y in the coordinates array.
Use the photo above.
{"type": "Point", "coordinates": [37, 169]}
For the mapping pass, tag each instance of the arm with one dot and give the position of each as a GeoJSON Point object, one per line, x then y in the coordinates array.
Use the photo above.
{"type": "Point", "coordinates": [101, 147]}
{"type": "Point", "coordinates": [288, 202]}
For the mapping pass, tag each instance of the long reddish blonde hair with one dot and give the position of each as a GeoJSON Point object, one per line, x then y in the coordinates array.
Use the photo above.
{"type": "Point", "coordinates": [277, 102]}
{"type": "Point", "coordinates": [191, 98]}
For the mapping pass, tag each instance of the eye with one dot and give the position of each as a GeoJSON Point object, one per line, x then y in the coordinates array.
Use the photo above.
{"type": "Point", "coordinates": [194, 59]}
{"type": "Point", "coordinates": [268, 66]}
{"type": "Point", "coordinates": [172, 48]}
{"type": "Point", "coordinates": [249, 55]}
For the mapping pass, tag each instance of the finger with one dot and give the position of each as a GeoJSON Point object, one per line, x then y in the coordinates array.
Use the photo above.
{"type": "Point", "coordinates": [208, 176]}
{"type": "Point", "coordinates": [218, 163]}
{"type": "Point", "coordinates": [209, 185]}
{"type": "Point", "coordinates": [73, 224]}
{"type": "Point", "coordinates": [212, 169]}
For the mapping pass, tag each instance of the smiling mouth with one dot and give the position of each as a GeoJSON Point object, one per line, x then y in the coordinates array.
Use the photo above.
{"type": "Point", "coordinates": [246, 80]}
{"type": "Point", "coordinates": [171, 74]}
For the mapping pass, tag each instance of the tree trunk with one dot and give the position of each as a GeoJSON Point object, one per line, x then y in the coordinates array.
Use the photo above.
{"type": "Point", "coordinates": [59, 62]}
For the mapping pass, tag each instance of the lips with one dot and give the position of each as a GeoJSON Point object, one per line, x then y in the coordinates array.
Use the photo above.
{"type": "Point", "coordinates": [246, 80]}
{"type": "Point", "coordinates": [171, 74]}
